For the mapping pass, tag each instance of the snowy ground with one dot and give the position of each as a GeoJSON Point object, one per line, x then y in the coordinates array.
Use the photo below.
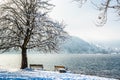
{"type": "Point", "coordinates": [44, 75]}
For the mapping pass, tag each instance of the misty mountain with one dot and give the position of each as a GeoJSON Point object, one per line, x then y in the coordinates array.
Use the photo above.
{"type": "Point", "coordinates": [77, 45]}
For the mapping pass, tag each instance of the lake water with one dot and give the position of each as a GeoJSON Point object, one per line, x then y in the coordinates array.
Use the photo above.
{"type": "Point", "coordinates": [106, 65]}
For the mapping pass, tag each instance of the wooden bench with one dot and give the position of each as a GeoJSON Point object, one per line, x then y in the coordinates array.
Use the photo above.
{"type": "Point", "coordinates": [36, 66]}
{"type": "Point", "coordinates": [60, 69]}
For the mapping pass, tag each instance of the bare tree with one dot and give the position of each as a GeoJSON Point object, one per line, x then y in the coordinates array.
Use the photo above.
{"type": "Point", "coordinates": [25, 24]}
{"type": "Point", "coordinates": [103, 7]}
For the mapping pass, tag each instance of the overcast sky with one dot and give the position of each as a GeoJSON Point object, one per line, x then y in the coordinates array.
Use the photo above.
{"type": "Point", "coordinates": [81, 21]}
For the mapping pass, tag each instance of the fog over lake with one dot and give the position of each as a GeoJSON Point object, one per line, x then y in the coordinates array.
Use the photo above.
{"type": "Point", "coordinates": [106, 65]}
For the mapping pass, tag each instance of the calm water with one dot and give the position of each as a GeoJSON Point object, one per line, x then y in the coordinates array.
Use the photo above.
{"type": "Point", "coordinates": [106, 65]}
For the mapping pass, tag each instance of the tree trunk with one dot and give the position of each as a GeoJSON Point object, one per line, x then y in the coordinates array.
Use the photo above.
{"type": "Point", "coordinates": [24, 62]}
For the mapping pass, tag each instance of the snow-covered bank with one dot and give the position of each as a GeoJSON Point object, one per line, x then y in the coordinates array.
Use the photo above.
{"type": "Point", "coordinates": [44, 75]}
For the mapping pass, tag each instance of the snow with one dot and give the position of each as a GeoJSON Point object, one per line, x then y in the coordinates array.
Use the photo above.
{"type": "Point", "coordinates": [29, 74]}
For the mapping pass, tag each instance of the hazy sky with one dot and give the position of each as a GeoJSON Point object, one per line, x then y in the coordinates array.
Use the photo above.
{"type": "Point", "coordinates": [81, 21]}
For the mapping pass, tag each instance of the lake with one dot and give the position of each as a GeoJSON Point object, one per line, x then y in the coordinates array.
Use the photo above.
{"type": "Point", "coordinates": [105, 65]}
